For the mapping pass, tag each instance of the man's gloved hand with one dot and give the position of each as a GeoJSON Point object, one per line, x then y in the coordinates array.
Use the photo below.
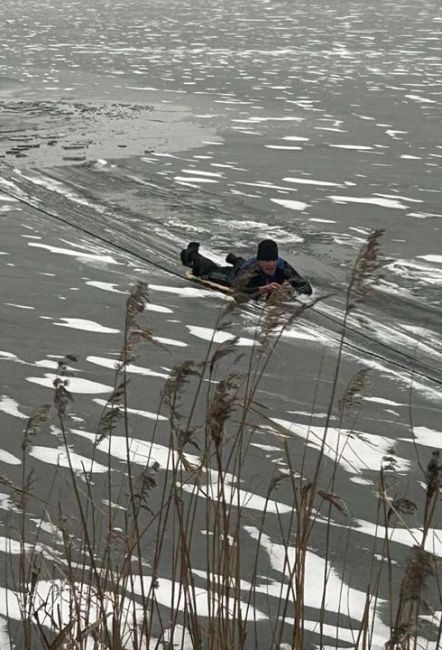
{"type": "Point", "coordinates": [268, 288]}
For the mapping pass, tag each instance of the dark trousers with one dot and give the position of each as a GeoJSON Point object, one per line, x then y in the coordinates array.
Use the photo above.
{"type": "Point", "coordinates": [205, 268]}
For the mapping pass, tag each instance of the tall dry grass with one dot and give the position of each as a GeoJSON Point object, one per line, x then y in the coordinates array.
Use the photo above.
{"type": "Point", "coordinates": [185, 518]}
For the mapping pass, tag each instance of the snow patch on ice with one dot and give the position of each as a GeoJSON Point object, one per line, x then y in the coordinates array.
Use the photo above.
{"type": "Point", "coordinates": [87, 325]}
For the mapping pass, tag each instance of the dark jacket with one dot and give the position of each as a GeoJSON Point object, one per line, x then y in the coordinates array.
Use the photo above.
{"type": "Point", "coordinates": [248, 277]}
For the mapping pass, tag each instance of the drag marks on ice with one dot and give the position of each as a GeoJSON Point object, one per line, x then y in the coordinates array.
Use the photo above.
{"type": "Point", "coordinates": [417, 272]}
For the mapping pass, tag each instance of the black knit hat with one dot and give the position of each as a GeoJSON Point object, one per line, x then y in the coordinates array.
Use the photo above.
{"type": "Point", "coordinates": [267, 250]}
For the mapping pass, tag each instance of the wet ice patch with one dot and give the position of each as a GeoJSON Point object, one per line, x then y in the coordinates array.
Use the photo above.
{"type": "Point", "coordinates": [86, 325]}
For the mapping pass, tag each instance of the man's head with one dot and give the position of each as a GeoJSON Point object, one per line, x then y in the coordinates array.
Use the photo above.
{"type": "Point", "coordinates": [267, 256]}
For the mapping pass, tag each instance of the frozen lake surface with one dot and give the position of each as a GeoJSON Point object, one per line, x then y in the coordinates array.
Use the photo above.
{"type": "Point", "coordinates": [128, 129]}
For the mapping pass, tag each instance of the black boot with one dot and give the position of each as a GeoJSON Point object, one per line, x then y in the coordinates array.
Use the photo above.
{"type": "Point", "coordinates": [189, 254]}
{"type": "Point", "coordinates": [233, 259]}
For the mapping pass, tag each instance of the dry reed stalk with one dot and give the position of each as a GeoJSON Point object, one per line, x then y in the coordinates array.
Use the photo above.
{"type": "Point", "coordinates": [226, 442]}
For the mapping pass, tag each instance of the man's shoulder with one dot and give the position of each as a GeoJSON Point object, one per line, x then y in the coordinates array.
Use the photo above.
{"type": "Point", "coordinates": [249, 263]}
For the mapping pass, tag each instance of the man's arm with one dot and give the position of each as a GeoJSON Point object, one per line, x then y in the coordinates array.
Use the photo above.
{"type": "Point", "coordinates": [300, 284]}
{"type": "Point", "coordinates": [247, 281]}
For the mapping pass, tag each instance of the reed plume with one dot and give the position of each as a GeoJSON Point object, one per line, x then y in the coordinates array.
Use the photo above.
{"type": "Point", "coordinates": [35, 423]}
{"type": "Point", "coordinates": [353, 393]}
{"type": "Point", "coordinates": [365, 270]}
{"type": "Point", "coordinates": [221, 406]}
